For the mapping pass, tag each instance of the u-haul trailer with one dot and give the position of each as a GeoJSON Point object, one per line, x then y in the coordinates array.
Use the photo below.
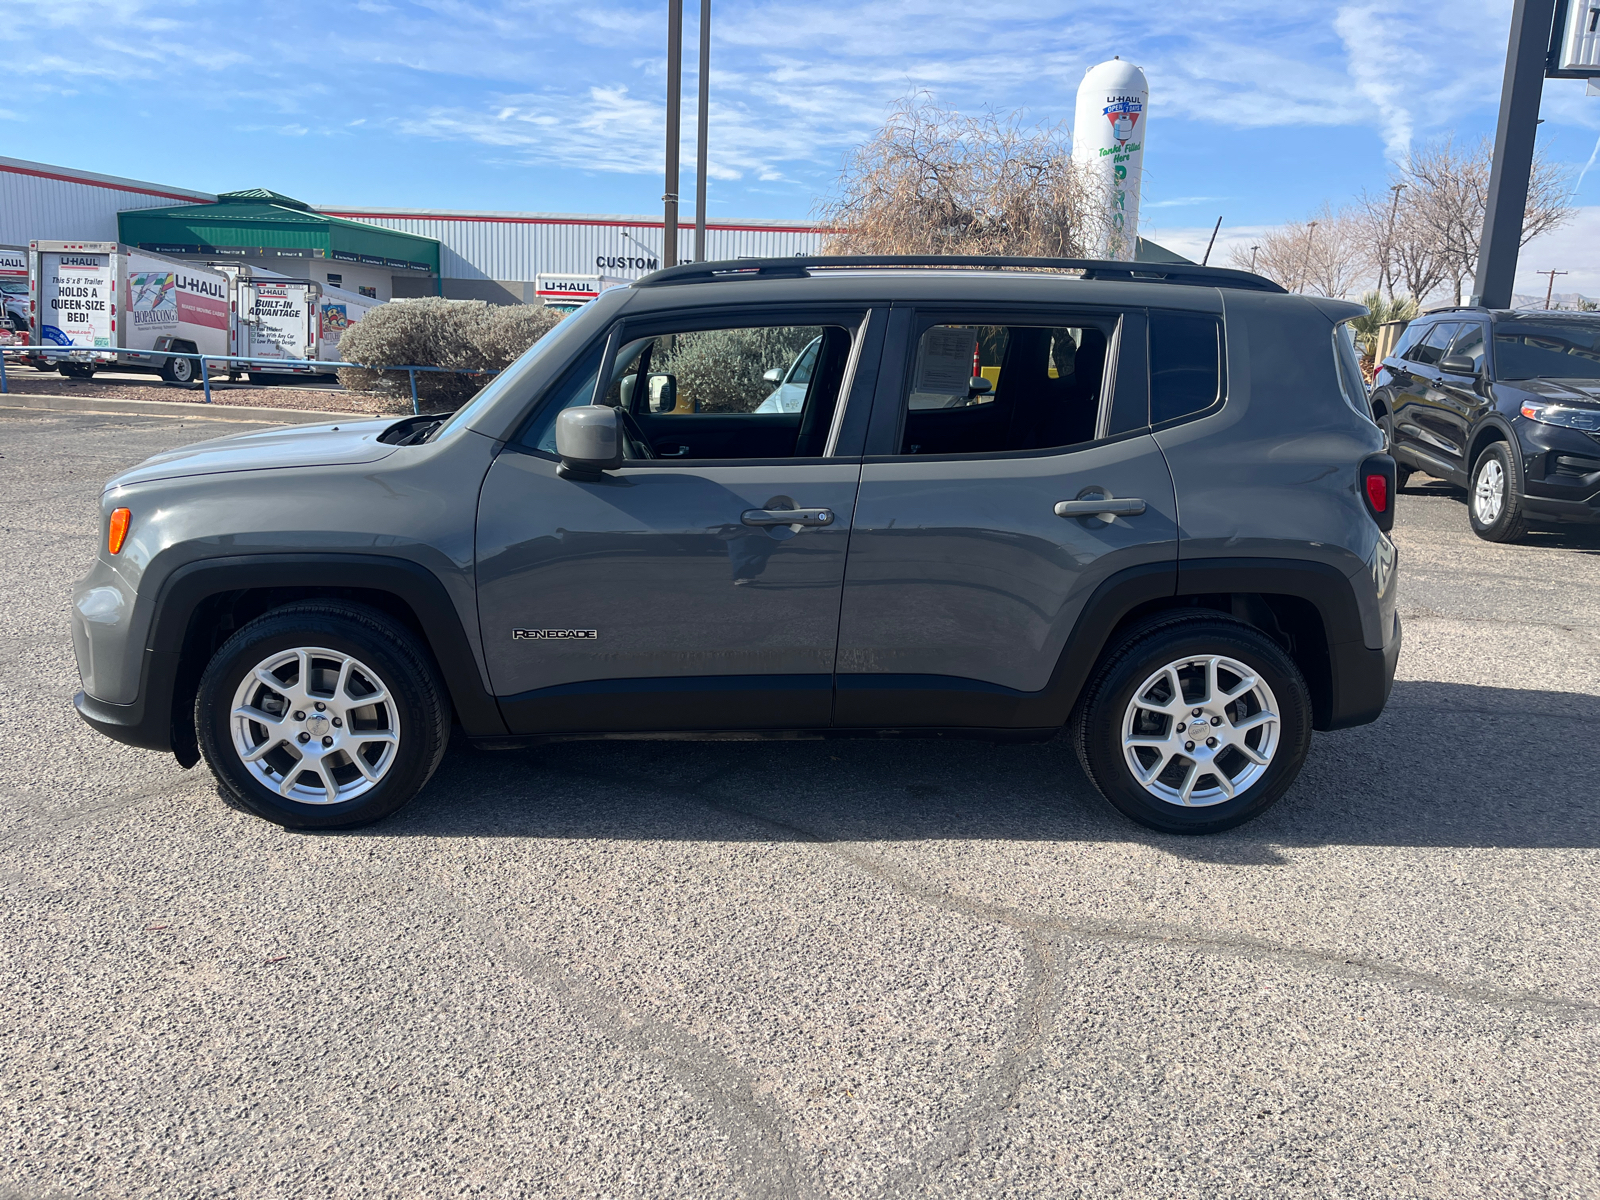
{"type": "Point", "coordinates": [571, 292]}
{"type": "Point", "coordinates": [339, 310]}
{"type": "Point", "coordinates": [117, 306]}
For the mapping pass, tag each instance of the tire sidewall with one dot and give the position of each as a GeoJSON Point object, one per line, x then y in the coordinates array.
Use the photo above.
{"type": "Point", "coordinates": [414, 760]}
{"type": "Point", "coordinates": [1509, 501]}
{"type": "Point", "coordinates": [1101, 731]}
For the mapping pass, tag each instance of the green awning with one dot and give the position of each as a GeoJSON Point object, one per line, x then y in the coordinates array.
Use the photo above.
{"type": "Point", "coordinates": [265, 223]}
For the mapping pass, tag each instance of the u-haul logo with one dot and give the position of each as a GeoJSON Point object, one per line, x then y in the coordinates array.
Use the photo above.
{"type": "Point", "coordinates": [555, 635]}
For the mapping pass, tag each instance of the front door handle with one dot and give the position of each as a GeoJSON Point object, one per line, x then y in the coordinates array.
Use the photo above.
{"type": "Point", "coordinates": [1103, 507]}
{"type": "Point", "coordinates": [810, 517]}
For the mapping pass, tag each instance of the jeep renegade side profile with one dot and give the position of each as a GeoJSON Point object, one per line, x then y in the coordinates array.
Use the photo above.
{"type": "Point", "coordinates": [1144, 504]}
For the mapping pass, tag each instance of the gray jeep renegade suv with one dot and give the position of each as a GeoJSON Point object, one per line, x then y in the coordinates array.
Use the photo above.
{"type": "Point", "coordinates": [1144, 503]}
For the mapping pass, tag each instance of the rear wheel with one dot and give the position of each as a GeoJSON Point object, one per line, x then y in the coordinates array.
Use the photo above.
{"type": "Point", "coordinates": [74, 370]}
{"type": "Point", "coordinates": [1193, 724]}
{"type": "Point", "coordinates": [321, 715]}
{"type": "Point", "coordinates": [181, 370]}
{"type": "Point", "coordinates": [1494, 500]}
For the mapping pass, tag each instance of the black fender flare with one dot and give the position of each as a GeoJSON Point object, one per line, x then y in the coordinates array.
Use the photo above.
{"type": "Point", "coordinates": [1477, 441]}
{"type": "Point", "coordinates": [159, 718]}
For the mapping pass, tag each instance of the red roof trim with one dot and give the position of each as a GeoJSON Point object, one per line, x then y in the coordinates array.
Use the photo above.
{"type": "Point", "coordinates": [682, 227]}
{"type": "Point", "coordinates": [110, 187]}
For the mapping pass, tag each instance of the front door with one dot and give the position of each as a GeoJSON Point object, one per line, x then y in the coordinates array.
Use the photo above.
{"type": "Point", "coordinates": [1460, 399]}
{"type": "Point", "coordinates": [696, 588]}
{"type": "Point", "coordinates": [1420, 424]}
{"type": "Point", "coordinates": [1005, 481]}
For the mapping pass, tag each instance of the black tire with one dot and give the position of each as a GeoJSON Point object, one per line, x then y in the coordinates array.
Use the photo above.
{"type": "Point", "coordinates": [181, 370]}
{"type": "Point", "coordinates": [382, 649]}
{"type": "Point", "coordinates": [1098, 721]}
{"type": "Point", "coordinates": [1402, 473]}
{"type": "Point", "coordinates": [1509, 522]}
{"type": "Point", "coordinates": [74, 370]}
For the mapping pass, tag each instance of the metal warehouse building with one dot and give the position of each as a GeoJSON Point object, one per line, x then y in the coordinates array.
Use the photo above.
{"type": "Point", "coordinates": [494, 256]}
{"type": "Point", "coordinates": [497, 256]}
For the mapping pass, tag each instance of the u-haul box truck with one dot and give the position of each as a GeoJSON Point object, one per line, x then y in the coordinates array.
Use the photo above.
{"type": "Point", "coordinates": [279, 319]}
{"type": "Point", "coordinates": [124, 307]}
{"type": "Point", "coordinates": [340, 309]}
{"type": "Point", "coordinates": [570, 292]}
{"type": "Point", "coordinates": [13, 292]}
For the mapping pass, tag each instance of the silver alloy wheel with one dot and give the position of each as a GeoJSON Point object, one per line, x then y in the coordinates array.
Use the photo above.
{"type": "Point", "coordinates": [1489, 494]}
{"type": "Point", "coordinates": [1200, 730]}
{"type": "Point", "coordinates": [315, 725]}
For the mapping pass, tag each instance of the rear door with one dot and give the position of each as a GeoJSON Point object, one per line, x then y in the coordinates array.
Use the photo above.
{"type": "Point", "coordinates": [1002, 440]}
{"type": "Point", "coordinates": [1419, 422]}
{"type": "Point", "coordinates": [696, 590]}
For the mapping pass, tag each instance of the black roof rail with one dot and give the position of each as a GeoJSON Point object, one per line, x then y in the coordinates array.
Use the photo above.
{"type": "Point", "coordinates": [802, 267]}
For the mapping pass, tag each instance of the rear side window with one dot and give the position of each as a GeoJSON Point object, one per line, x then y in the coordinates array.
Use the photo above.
{"type": "Point", "coordinates": [1185, 364]}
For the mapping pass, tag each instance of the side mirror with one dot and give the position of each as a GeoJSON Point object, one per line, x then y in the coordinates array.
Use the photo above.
{"type": "Point", "coordinates": [775, 375]}
{"type": "Point", "coordinates": [589, 441]}
{"type": "Point", "coordinates": [978, 386]}
{"type": "Point", "coordinates": [1458, 364]}
{"type": "Point", "coordinates": [663, 393]}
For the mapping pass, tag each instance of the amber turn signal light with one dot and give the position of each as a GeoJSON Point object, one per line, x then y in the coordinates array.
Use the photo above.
{"type": "Point", "coordinates": [118, 532]}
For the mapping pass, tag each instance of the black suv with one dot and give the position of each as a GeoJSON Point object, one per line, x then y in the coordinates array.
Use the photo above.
{"type": "Point", "coordinates": [1144, 503]}
{"type": "Point", "coordinates": [1504, 404]}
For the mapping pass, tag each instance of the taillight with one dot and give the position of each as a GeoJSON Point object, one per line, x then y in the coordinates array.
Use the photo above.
{"type": "Point", "coordinates": [117, 533]}
{"type": "Point", "coordinates": [1378, 489]}
{"type": "Point", "coordinates": [1378, 492]}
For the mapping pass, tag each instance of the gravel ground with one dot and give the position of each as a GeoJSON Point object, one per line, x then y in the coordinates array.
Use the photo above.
{"type": "Point", "coordinates": [109, 385]}
{"type": "Point", "coordinates": [814, 969]}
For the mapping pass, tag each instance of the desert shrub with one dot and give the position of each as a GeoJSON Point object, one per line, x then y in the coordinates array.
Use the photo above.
{"type": "Point", "coordinates": [435, 332]}
{"type": "Point", "coordinates": [721, 370]}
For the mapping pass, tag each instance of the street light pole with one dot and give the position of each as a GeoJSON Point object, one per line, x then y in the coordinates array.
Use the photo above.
{"type": "Point", "coordinates": [669, 240]}
{"type": "Point", "coordinates": [1531, 22]}
{"type": "Point", "coordinates": [705, 122]}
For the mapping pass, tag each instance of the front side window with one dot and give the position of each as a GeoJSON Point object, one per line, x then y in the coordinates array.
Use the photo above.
{"type": "Point", "coordinates": [986, 389]}
{"type": "Point", "coordinates": [1547, 350]}
{"type": "Point", "coordinates": [718, 371]}
{"type": "Point", "coordinates": [1430, 349]}
{"type": "Point", "coordinates": [1469, 344]}
{"type": "Point", "coordinates": [1185, 364]}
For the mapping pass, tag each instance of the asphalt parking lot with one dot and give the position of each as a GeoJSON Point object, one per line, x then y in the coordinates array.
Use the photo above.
{"type": "Point", "coordinates": [813, 969]}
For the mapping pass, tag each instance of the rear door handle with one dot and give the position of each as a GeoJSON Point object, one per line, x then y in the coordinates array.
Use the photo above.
{"type": "Point", "coordinates": [1100, 506]}
{"type": "Point", "coordinates": [810, 517]}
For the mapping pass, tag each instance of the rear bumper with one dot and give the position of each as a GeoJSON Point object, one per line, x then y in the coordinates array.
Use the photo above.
{"type": "Point", "coordinates": [1362, 680]}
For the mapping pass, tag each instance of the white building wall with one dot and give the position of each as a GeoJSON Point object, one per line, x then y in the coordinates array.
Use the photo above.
{"type": "Point", "coordinates": [39, 201]}
{"type": "Point", "coordinates": [518, 246]}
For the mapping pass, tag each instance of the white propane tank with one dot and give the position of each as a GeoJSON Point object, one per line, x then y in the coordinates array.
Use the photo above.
{"type": "Point", "coordinates": [1108, 142]}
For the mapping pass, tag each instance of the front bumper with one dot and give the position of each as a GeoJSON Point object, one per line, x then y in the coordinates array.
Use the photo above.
{"type": "Point", "coordinates": [1560, 471]}
{"type": "Point", "coordinates": [148, 726]}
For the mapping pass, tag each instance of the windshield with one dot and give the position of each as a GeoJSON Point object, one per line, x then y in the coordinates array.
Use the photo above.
{"type": "Point", "coordinates": [1547, 350]}
{"type": "Point", "coordinates": [569, 329]}
{"type": "Point", "coordinates": [14, 289]}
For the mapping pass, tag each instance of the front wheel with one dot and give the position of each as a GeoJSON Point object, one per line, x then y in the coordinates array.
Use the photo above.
{"type": "Point", "coordinates": [1193, 724]}
{"type": "Point", "coordinates": [1494, 502]}
{"type": "Point", "coordinates": [321, 715]}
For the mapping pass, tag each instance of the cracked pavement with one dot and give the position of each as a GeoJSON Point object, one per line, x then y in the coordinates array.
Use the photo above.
{"type": "Point", "coordinates": [813, 969]}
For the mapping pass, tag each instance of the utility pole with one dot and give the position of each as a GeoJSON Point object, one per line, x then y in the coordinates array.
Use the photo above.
{"type": "Point", "coordinates": [705, 122]}
{"type": "Point", "coordinates": [1549, 291]}
{"type": "Point", "coordinates": [1305, 267]}
{"type": "Point", "coordinates": [1385, 280]}
{"type": "Point", "coordinates": [669, 240]}
{"type": "Point", "coordinates": [1253, 250]}
{"type": "Point", "coordinates": [1212, 242]}
{"type": "Point", "coordinates": [1526, 53]}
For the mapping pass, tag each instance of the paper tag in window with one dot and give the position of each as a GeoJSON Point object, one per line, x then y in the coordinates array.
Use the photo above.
{"type": "Point", "coordinates": [945, 365]}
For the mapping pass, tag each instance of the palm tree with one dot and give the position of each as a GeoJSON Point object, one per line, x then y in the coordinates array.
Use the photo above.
{"type": "Point", "coordinates": [1379, 312]}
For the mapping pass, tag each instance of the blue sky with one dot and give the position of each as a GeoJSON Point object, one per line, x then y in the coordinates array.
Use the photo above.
{"type": "Point", "coordinates": [1259, 111]}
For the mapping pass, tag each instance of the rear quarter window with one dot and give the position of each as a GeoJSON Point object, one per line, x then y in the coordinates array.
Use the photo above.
{"type": "Point", "coordinates": [1185, 364]}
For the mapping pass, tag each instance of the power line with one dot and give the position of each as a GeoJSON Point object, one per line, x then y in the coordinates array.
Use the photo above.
{"type": "Point", "coordinates": [1549, 291]}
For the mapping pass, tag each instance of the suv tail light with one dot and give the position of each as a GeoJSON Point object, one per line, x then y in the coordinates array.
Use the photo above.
{"type": "Point", "coordinates": [1377, 487]}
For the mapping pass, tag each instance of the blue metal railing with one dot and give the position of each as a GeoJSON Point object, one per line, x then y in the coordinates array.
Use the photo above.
{"type": "Point", "coordinates": [110, 353]}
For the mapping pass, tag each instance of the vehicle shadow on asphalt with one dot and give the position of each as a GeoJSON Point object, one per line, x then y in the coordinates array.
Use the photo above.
{"type": "Point", "coordinates": [1447, 765]}
{"type": "Point", "coordinates": [1582, 538]}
